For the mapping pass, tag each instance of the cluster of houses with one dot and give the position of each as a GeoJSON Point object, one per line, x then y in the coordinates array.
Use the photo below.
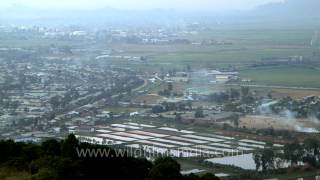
{"type": "Point", "coordinates": [40, 92]}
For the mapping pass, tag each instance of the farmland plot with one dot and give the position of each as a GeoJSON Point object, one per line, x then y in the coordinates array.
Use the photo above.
{"type": "Point", "coordinates": [252, 141]}
{"type": "Point", "coordinates": [187, 140]}
{"type": "Point", "coordinates": [125, 126]}
{"type": "Point", "coordinates": [156, 143]}
{"type": "Point", "coordinates": [148, 133]}
{"type": "Point", "coordinates": [136, 136]}
{"type": "Point", "coordinates": [203, 138]}
{"type": "Point", "coordinates": [103, 131]}
{"type": "Point", "coordinates": [217, 149]}
{"type": "Point", "coordinates": [172, 142]}
{"type": "Point", "coordinates": [200, 152]}
{"type": "Point", "coordinates": [140, 125]}
{"type": "Point", "coordinates": [120, 138]}
{"type": "Point", "coordinates": [176, 130]}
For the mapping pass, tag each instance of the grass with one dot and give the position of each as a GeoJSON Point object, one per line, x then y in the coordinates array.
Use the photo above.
{"type": "Point", "coordinates": [260, 36]}
{"type": "Point", "coordinates": [299, 174]}
{"type": "Point", "coordinates": [284, 76]}
{"type": "Point", "coordinates": [216, 58]}
{"type": "Point", "coordinates": [249, 46]}
{"type": "Point", "coordinates": [12, 174]}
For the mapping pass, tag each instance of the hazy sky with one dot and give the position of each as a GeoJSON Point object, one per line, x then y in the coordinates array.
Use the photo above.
{"type": "Point", "coordinates": [214, 5]}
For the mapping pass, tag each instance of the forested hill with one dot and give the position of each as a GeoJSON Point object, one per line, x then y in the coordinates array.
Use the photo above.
{"type": "Point", "coordinates": [59, 160]}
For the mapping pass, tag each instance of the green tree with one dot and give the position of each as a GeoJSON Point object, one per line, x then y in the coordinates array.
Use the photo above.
{"type": "Point", "coordinates": [293, 152]}
{"type": "Point", "coordinates": [199, 113]}
{"type": "Point", "coordinates": [69, 145]}
{"type": "Point", "coordinates": [265, 159]}
{"type": "Point", "coordinates": [45, 174]}
{"type": "Point", "coordinates": [51, 147]}
{"type": "Point", "coordinates": [189, 104]}
{"type": "Point", "coordinates": [165, 169]}
{"type": "Point", "coordinates": [209, 176]}
{"type": "Point", "coordinates": [245, 91]}
{"type": "Point", "coordinates": [257, 160]}
{"type": "Point", "coordinates": [235, 118]}
{"type": "Point", "coordinates": [157, 109]}
{"type": "Point", "coordinates": [234, 93]}
{"type": "Point", "coordinates": [178, 118]}
{"type": "Point", "coordinates": [56, 102]}
{"type": "Point", "coordinates": [170, 86]}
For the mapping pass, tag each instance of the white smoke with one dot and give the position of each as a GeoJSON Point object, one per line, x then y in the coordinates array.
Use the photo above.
{"type": "Point", "coordinates": [288, 117]}
{"type": "Point", "coordinates": [299, 128]}
{"type": "Point", "coordinates": [264, 109]}
{"type": "Point", "coordinates": [288, 114]}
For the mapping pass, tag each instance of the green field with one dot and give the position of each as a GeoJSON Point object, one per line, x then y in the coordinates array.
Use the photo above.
{"type": "Point", "coordinates": [248, 46]}
{"type": "Point", "coordinates": [226, 57]}
{"type": "Point", "coordinates": [284, 76]}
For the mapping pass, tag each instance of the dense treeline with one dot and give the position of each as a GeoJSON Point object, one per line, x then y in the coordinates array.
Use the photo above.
{"type": "Point", "coordinates": [293, 154]}
{"type": "Point", "coordinates": [55, 160]}
{"type": "Point", "coordinates": [172, 106]}
{"type": "Point", "coordinates": [308, 107]}
{"type": "Point", "coordinates": [236, 100]}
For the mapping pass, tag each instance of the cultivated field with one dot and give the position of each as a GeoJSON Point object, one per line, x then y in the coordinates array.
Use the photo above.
{"type": "Point", "coordinates": [156, 140]}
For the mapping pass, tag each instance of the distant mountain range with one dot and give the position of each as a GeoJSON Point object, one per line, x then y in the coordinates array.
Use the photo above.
{"type": "Point", "coordinates": [297, 11]}
{"type": "Point", "coordinates": [291, 9]}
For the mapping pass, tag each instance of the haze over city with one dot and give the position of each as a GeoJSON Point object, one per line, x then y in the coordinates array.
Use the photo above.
{"type": "Point", "coordinates": [181, 5]}
{"type": "Point", "coordinates": [159, 89]}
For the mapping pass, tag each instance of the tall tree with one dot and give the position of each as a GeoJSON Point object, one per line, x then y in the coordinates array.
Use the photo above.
{"type": "Point", "coordinates": [165, 169]}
